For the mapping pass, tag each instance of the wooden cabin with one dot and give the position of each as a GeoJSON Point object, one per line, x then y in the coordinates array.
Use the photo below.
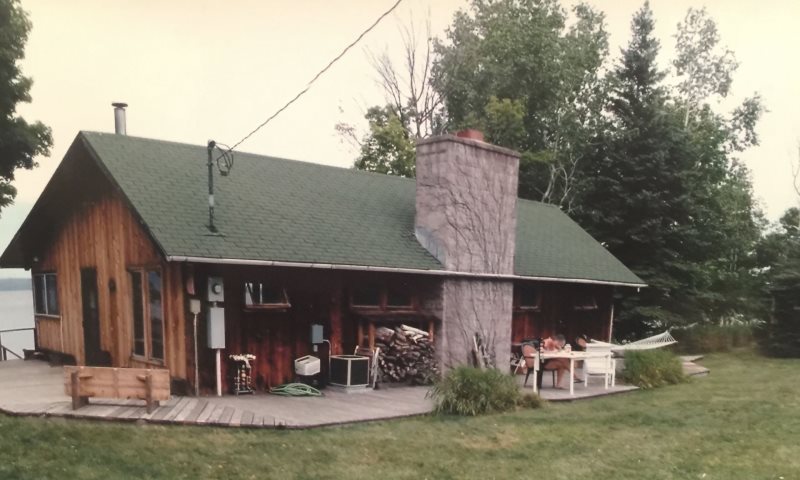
{"type": "Point", "coordinates": [121, 241]}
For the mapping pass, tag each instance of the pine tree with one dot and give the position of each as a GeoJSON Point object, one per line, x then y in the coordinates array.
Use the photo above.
{"type": "Point", "coordinates": [635, 197]}
{"type": "Point", "coordinates": [779, 335]}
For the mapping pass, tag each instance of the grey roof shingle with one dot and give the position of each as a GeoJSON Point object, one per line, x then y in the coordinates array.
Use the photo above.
{"type": "Point", "coordinates": [271, 209]}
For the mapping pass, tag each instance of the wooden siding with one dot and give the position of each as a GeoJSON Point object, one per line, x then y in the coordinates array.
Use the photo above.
{"type": "Point", "coordinates": [48, 333]}
{"type": "Point", "coordinates": [557, 314]}
{"type": "Point", "coordinates": [104, 234]}
{"type": "Point", "coordinates": [278, 336]}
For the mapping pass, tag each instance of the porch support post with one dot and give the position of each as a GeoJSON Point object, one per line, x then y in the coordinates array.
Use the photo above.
{"type": "Point", "coordinates": [610, 320]}
{"type": "Point", "coordinates": [219, 372]}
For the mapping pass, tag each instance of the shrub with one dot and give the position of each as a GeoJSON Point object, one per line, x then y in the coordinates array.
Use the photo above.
{"type": "Point", "coordinates": [472, 391]}
{"type": "Point", "coordinates": [713, 338]}
{"type": "Point", "coordinates": [530, 400]}
{"type": "Point", "coordinates": [652, 368]}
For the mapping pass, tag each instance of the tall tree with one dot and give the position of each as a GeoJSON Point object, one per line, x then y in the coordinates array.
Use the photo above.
{"type": "Point", "coordinates": [635, 194]}
{"type": "Point", "coordinates": [387, 148]}
{"type": "Point", "coordinates": [527, 74]}
{"type": "Point", "coordinates": [412, 109]}
{"type": "Point", "coordinates": [702, 66]}
{"type": "Point", "coordinates": [779, 335]}
{"type": "Point", "coordinates": [20, 142]}
{"type": "Point", "coordinates": [727, 222]}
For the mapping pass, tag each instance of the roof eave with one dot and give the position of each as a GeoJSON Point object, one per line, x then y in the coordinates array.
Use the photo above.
{"type": "Point", "coordinates": [385, 269]}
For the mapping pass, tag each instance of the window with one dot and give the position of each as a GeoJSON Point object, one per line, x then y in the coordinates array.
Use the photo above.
{"type": "Point", "coordinates": [45, 294]}
{"type": "Point", "coordinates": [259, 295]}
{"type": "Point", "coordinates": [585, 302]}
{"type": "Point", "coordinates": [366, 297]}
{"type": "Point", "coordinates": [148, 314]}
{"type": "Point", "coordinates": [530, 297]}
{"type": "Point", "coordinates": [398, 299]}
{"type": "Point", "coordinates": [138, 314]}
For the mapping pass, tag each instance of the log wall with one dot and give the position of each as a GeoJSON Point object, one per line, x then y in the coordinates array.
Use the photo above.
{"type": "Point", "coordinates": [278, 336]}
{"type": "Point", "coordinates": [557, 313]}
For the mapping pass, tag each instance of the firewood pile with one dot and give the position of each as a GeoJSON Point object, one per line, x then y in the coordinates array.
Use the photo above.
{"type": "Point", "coordinates": [407, 355]}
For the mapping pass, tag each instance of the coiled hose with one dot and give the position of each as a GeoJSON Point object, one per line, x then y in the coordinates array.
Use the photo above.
{"type": "Point", "coordinates": [295, 390]}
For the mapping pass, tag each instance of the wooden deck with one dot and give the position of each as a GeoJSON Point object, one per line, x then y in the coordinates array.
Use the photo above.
{"type": "Point", "coordinates": [33, 388]}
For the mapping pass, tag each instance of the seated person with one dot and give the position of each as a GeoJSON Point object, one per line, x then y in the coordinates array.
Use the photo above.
{"type": "Point", "coordinates": [560, 365]}
{"type": "Point", "coordinates": [580, 343]}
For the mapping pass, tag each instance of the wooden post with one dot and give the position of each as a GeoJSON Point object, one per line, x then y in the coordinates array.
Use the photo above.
{"type": "Point", "coordinates": [431, 330]}
{"type": "Point", "coordinates": [610, 320]}
{"type": "Point", "coordinates": [219, 372]}
{"type": "Point", "coordinates": [360, 334]}
{"type": "Point", "coordinates": [371, 336]}
{"type": "Point", "coordinates": [77, 400]}
{"type": "Point", "coordinates": [148, 388]}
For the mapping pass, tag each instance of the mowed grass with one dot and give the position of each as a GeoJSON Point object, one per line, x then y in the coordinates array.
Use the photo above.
{"type": "Point", "coordinates": [741, 422]}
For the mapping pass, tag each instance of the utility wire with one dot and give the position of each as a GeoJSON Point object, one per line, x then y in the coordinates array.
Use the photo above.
{"type": "Point", "coordinates": [319, 74]}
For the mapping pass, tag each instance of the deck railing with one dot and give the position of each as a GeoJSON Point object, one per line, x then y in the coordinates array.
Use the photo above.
{"type": "Point", "coordinates": [4, 351]}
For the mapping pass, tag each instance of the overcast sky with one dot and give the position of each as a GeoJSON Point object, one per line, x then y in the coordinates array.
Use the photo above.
{"type": "Point", "coordinates": [194, 70]}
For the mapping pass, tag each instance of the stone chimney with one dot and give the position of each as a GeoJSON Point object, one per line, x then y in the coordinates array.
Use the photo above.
{"type": "Point", "coordinates": [466, 212]}
{"type": "Point", "coordinates": [466, 216]}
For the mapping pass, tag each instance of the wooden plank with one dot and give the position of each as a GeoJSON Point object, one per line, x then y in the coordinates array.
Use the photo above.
{"type": "Point", "coordinates": [178, 408]}
{"type": "Point", "coordinates": [227, 414]}
{"type": "Point", "coordinates": [196, 411]}
{"type": "Point", "coordinates": [187, 410]}
{"type": "Point", "coordinates": [236, 419]}
{"type": "Point", "coordinates": [247, 418]}
{"type": "Point", "coordinates": [163, 411]}
{"type": "Point", "coordinates": [214, 417]}
{"type": "Point", "coordinates": [206, 413]}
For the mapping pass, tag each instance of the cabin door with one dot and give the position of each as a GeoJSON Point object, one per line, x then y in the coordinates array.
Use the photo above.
{"type": "Point", "coordinates": [91, 317]}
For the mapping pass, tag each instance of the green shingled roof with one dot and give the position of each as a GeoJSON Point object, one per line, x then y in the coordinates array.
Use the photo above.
{"type": "Point", "coordinates": [271, 209]}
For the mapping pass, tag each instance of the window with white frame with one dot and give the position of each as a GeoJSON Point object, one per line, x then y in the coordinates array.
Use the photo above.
{"type": "Point", "coordinates": [261, 295]}
{"type": "Point", "coordinates": [45, 294]}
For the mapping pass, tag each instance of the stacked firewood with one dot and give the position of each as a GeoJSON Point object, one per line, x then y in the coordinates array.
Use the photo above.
{"type": "Point", "coordinates": [407, 355]}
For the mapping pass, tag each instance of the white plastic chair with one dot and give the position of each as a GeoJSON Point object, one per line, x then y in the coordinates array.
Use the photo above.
{"type": "Point", "coordinates": [599, 365]}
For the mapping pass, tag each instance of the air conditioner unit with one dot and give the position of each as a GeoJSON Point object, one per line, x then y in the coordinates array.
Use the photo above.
{"type": "Point", "coordinates": [349, 370]}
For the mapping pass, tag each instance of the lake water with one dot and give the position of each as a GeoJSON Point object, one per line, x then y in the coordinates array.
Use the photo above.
{"type": "Point", "coordinates": [16, 311]}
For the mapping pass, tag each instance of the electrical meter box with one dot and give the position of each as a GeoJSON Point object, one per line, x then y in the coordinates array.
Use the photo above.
{"type": "Point", "coordinates": [216, 327]}
{"type": "Point", "coordinates": [316, 334]}
{"type": "Point", "coordinates": [216, 289]}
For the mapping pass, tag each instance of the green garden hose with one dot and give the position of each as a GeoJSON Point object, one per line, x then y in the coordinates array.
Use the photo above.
{"type": "Point", "coordinates": [295, 390]}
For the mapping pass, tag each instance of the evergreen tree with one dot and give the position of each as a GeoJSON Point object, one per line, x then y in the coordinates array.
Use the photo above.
{"type": "Point", "coordinates": [635, 195]}
{"type": "Point", "coordinates": [779, 335]}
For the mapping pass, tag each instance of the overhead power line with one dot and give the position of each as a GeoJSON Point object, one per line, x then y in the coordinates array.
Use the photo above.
{"type": "Point", "coordinates": [319, 74]}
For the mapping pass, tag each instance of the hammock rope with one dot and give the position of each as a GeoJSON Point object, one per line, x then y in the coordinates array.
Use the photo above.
{"type": "Point", "coordinates": [649, 343]}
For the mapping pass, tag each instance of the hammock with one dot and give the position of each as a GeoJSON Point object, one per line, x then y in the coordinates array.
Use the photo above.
{"type": "Point", "coordinates": [656, 341]}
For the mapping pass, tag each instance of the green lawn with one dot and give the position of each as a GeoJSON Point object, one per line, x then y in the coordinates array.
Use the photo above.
{"type": "Point", "coordinates": [743, 421]}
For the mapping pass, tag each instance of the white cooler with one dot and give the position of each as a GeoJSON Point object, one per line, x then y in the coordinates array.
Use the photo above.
{"type": "Point", "coordinates": [307, 366]}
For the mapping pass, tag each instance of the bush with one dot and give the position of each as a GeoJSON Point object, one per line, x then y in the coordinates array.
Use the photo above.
{"type": "Point", "coordinates": [713, 338]}
{"type": "Point", "coordinates": [530, 400]}
{"type": "Point", "coordinates": [652, 368]}
{"type": "Point", "coordinates": [472, 391]}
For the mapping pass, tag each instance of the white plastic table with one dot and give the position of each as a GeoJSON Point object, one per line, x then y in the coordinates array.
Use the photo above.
{"type": "Point", "coordinates": [572, 356]}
